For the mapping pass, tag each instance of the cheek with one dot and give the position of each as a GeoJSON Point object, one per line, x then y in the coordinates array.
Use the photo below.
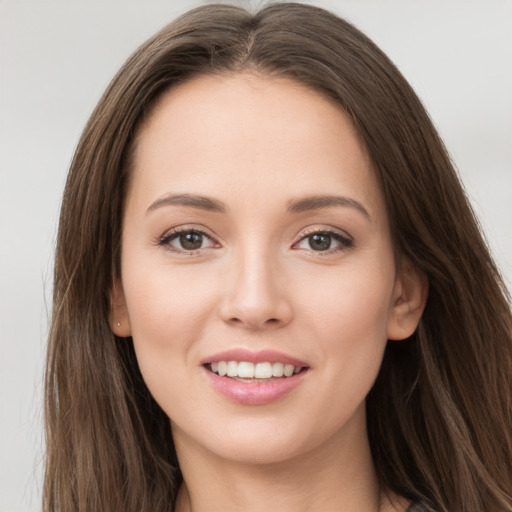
{"type": "Point", "coordinates": [169, 310]}
{"type": "Point", "coordinates": [347, 315]}
{"type": "Point", "coordinates": [350, 302]}
{"type": "Point", "coordinates": [160, 296]}
{"type": "Point", "coordinates": [168, 315]}
{"type": "Point", "coordinates": [347, 320]}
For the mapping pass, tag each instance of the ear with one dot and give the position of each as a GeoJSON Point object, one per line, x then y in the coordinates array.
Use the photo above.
{"type": "Point", "coordinates": [119, 318]}
{"type": "Point", "coordinates": [409, 299]}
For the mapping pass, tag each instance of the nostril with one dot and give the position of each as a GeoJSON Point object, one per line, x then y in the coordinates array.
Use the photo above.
{"type": "Point", "coordinates": [253, 324]}
{"type": "Point", "coordinates": [247, 324]}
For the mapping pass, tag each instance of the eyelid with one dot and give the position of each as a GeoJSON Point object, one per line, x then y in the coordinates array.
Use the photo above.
{"type": "Point", "coordinates": [165, 239]}
{"type": "Point", "coordinates": [319, 228]}
{"type": "Point", "coordinates": [345, 240]}
{"type": "Point", "coordinates": [342, 237]}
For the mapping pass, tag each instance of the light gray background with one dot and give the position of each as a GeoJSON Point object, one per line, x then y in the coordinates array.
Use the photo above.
{"type": "Point", "coordinates": [56, 57]}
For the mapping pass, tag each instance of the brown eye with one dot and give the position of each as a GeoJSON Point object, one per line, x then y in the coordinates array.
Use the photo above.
{"type": "Point", "coordinates": [324, 241]}
{"type": "Point", "coordinates": [320, 242]}
{"type": "Point", "coordinates": [187, 240]}
{"type": "Point", "coordinates": [191, 240]}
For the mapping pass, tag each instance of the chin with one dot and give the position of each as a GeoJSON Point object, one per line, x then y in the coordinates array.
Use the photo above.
{"type": "Point", "coordinates": [259, 450]}
{"type": "Point", "coordinates": [259, 441]}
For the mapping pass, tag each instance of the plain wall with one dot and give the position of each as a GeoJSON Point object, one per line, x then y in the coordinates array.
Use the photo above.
{"type": "Point", "coordinates": [56, 57]}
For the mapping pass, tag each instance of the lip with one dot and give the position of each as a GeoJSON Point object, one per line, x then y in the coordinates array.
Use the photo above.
{"type": "Point", "coordinates": [260, 356]}
{"type": "Point", "coordinates": [254, 393]}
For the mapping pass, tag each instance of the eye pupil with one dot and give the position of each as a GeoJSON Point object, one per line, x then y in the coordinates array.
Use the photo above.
{"type": "Point", "coordinates": [191, 240]}
{"type": "Point", "coordinates": [320, 242]}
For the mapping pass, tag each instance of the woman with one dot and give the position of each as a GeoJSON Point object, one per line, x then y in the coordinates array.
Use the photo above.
{"type": "Point", "coordinates": [270, 289]}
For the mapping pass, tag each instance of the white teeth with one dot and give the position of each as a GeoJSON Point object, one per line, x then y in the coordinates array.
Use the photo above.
{"type": "Point", "coordinates": [232, 369]}
{"type": "Point", "coordinates": [246, 370]}
{"type": "Point", "coordinates": [288, 370]}
{"type": "Point", "coordinates": [263, 371]}
{"type": "Point", "coordinates": [222, 368]}
{"type": "Point", "coordinates": [277, 369]}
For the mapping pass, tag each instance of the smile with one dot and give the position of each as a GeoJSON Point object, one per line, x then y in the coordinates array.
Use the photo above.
{"type": "Point", "coordinates": [250, 372]}
{"type": "Point", "coordinates": [254, 378]}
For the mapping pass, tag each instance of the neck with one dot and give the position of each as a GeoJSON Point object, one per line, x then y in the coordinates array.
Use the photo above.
{"type": "Point", "coordinates": [336, 476]}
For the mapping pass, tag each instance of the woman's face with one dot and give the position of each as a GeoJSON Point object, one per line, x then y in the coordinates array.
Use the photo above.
{"type": "Point", "coordinates": [255, 232]}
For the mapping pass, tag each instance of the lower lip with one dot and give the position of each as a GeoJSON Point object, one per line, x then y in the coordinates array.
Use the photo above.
{"type": "Point", "coordinates": [255, 393]}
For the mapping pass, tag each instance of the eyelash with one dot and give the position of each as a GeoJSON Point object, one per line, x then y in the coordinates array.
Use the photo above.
{"type": "Point", "coordinates": [167, 238]}
{"type": "Point", "coordinates": [344, 240]}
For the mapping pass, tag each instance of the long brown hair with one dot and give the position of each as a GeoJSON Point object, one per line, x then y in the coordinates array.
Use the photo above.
{"type": "Point", "coordinates": [440, 412]}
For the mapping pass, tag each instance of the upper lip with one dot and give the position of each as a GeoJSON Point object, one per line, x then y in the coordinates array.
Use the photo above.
{"type": "Point", "coordinates": [257, 356]}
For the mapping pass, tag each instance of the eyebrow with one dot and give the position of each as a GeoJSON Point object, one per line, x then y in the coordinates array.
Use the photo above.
{"type": "Point", "coordinates": [200, 202]}
{"type": "Point", "coordinates": [306, 204]}
{"type": "Point", "coordinates": [318, 202]}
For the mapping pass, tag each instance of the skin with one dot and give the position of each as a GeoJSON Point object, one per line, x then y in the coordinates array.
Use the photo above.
{"type": "Point", "coordinates": [256, 144]}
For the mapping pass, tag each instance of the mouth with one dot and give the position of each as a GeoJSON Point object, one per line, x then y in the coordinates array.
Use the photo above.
{"type": "Point", "coordinates": [255, 378]}
{"type": "Point", "coordinates": [246, 371]}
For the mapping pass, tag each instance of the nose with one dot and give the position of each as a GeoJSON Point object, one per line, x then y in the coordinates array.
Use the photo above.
{"type": "Point", "coordinates": [256, 296]}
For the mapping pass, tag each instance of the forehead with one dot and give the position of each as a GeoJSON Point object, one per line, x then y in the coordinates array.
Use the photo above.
{"type": "Point", "coordinates": [248, 134]}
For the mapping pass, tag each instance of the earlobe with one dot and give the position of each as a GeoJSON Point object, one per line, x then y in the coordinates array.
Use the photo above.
{"type": "Point", "coordinates": [119, 319]}
{"type": "Point", "coordinates": [409, 300]}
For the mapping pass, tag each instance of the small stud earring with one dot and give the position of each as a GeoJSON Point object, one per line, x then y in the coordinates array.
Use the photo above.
{"type": "Point", "coordinates": [118, 324]}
